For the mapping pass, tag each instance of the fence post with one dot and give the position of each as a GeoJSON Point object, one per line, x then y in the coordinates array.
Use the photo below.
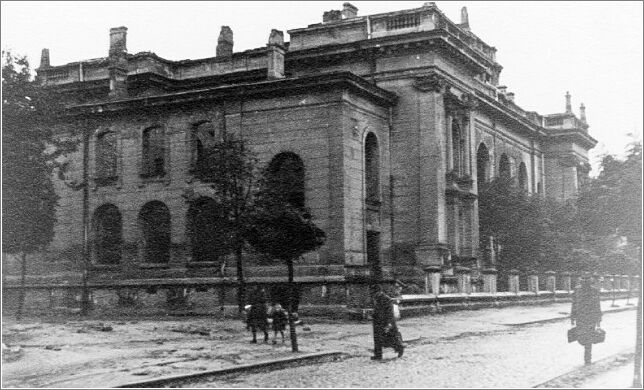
{"type": "Point", "coordinates": [464, 279]}
{"type": "Point", "coordinates": [489, 280]}
{"type": "Point", "coordinates": [533, 282]}
{"type": "Point", "coordinates": [432, 279]}
{"type": "Point", "coordinates": [566, 281]}
{"type": "Point", "coordinates": [513, 282]}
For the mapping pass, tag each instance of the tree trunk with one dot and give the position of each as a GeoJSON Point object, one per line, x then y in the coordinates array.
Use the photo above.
{"type": "Point", "coordinates": [21, 297]}
{"type": "Point", "coordinates": [291, 289]}
{"type": "Point", "coordinates": [241, 290]}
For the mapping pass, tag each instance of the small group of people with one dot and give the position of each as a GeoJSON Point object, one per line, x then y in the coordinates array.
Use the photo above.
{"type": "Point", "coordinates": [261, 316]}
{"type": "Point", "coordinates": [585, 314]}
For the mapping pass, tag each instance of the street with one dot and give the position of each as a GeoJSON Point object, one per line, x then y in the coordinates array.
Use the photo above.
{"type": "Point", "coordinates": [507, 356]}
{"type": "Point", "coordinates": [517, 346]}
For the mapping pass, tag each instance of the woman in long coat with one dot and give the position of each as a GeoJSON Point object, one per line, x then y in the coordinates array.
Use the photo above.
{"type": "Point", "coordinates": [385, 330]}
{"type": "Point", "coordinates": [586, 314]}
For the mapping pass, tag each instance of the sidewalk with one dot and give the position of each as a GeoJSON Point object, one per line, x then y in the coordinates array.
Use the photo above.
{"type": "Point", "coordinates": [614, 372]}
{"type": "Point", "coordinates": [70, 352]}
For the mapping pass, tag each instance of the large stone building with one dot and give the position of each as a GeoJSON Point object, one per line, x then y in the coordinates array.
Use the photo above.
{"type": "Point", "coordinates": [391, 121]}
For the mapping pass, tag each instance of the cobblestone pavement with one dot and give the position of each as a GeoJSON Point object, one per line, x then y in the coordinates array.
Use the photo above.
{"type": "Point", "coordinates": [509, 356]}
{"type": "Point", "coordinates": [487, 347]}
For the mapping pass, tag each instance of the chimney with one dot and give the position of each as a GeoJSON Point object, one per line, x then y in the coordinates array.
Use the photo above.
{"type": "Point", "coordinates": [117, 67]}
{"type": "Point", "coordinates": [332, 16]}
{"type": "Point", "coordinates": [118, 41]}
{"type": "Point", "coordinates": [568, 105]}
{"type": "Point", "coordinates": [510, 96]}
{"type": "Point", "coordinates": [429, 4]}
{"type": "Point", "coordinates": [225, 42]}
{"type": "Point", "coordinates": [276, 52]}
{"type": "Point", "coordinates": [502, 89]}
{"type": "Point", "coordinates": [349, 11]}
{"type": "Point", "coordinates": [44, 59]}
{"type": "Point", "coordinates": [465, 21]}
{"type": "Point", "coordinates": [582, 113]}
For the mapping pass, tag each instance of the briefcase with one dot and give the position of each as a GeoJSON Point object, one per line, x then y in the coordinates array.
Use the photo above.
{"type": "Point", "coordinates": [572, 335]}
{"type": "Point", "coordinates": [598, 336]}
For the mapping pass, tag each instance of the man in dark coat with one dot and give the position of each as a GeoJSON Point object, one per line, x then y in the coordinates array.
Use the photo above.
{"type": "Point", "coordinates": [385, 331]}
{"type": "Point", "coordinates": [258, 314]}
{"type": "Point", "coordinates": [586, 313]}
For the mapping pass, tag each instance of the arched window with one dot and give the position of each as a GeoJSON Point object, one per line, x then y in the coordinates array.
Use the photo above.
{"type": "Point", "coordinates": [207, 230]}
{"type": "Point", "coordinates": [523, 177]}
{"type": "Point", "coordinates": [285, 176]}
{"type": "Point", "coordinates": [204, 135]}
{"type": "Point", "coordinates": [153, 163]}
{"type": "Point", "coordinates": [372, 165]}
{"type": "Point", "coordinates": [482, 164]}
{"type": "Point", "coordinates": [106, 157]}
{"type": "Point", "coordinates": [107, 235]}
{"type": "Point", "coordinates": [504, 167]}
{"type": "Point", "coordinates": [154, 229]}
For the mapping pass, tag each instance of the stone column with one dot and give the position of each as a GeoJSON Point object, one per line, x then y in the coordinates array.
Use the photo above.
{"type": "Point", "coordinates": [533, 281]}
{"type": "Point", "coordinates": [551, 281]}
{"type": "Point", "coordinates": [566, 281]}
{"type": "Point", "coordinates": [489, 280]}
{"type": "Point", "coordinates": [464, 279]}
{"type": "Point", "coordinates": [432, 280]}
{"type": "Point", "coordinates": [513, 282]}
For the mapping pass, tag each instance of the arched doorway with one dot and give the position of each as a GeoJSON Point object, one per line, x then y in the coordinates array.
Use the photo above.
{"type": "Point", "coordinates": [285, 176]}
{"type": "Point", "coordinates": [482, 164]}
{"type": "Point", "coordinates": [207, 230]}
{"type": "Point", "coordinates": [154, 228]}
{"type": "Point", "coordinates": [107, 235]}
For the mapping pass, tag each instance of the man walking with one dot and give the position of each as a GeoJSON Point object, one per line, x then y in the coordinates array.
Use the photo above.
{"type": "Point", "coordinates": [385, 330]}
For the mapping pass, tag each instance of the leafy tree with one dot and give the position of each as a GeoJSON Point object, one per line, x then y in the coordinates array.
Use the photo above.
{"type": "Point", "coordinates": [231, 168]}
{"type": "Point", "coordinates": [283, 231]}
{"type": "Point", "coordinates": [610, 207]}
{"type": "Point", "coordinates": [28, 152]}
{"type": "Point", "coordinates": [533, 233]}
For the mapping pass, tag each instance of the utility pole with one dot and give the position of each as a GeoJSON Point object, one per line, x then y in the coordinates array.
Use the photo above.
{"type": "Point", "coordinates": [85, 291]}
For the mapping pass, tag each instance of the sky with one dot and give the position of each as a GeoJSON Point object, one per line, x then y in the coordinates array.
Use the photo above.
{"type": "Point", "coordinates": [592, 49]}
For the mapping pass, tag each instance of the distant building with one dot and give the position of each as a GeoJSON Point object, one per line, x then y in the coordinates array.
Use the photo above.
{"type": "Point", "coordinates": [391, 122]}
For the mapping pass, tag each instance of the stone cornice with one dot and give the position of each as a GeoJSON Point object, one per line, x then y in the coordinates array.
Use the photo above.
{"type": "Point", "coordinates": [257, 89]}
{"type": "Point", "coordinates": [574, 135]}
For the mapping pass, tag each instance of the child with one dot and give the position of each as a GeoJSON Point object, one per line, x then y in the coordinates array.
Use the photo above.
{"type": "Point", "coordinates": [279, 321]}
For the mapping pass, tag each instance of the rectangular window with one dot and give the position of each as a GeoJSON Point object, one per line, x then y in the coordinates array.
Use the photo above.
{"type": "Point", "coordinates": [106, 158]}
{"type": "Point", "coordinates": [153, 153]}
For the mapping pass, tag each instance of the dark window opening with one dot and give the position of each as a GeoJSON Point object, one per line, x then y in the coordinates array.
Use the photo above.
{"type": "Point", "coordinates": [153, 152]}
{"type": "Point", "coordinates": [154, 225]}
{"type": "Point", "coordinates": [107, 232]}
{"type": "Point", "coordinates": [285, 177]}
